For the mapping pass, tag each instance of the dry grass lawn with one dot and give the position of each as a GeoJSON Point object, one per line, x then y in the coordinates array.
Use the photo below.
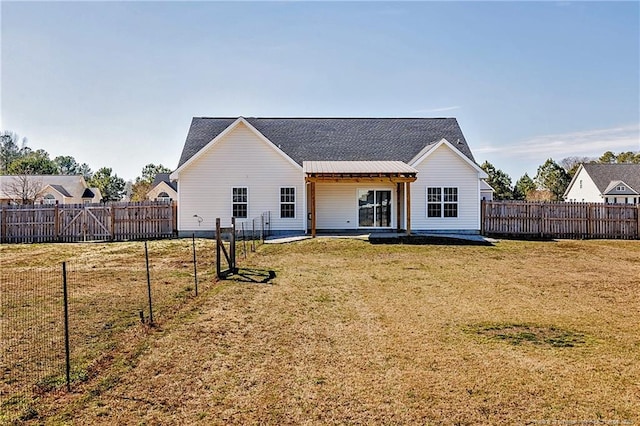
{"type": "Point", "coordinates": [353, 333]}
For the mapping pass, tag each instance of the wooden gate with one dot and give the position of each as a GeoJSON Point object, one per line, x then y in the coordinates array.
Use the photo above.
{"type": "Point", "coordinates": [91, 222]}
{"type": "Point", "coordinates": [84, 223]}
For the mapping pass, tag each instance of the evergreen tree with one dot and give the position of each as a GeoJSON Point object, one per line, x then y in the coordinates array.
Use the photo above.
{"type": "Point", "coordinates": [111, 186]}
{"type": "Point", "coordinates": [33, 163]}
{"type": "Point", "coordinates": [553, 178]}
{"type": "Point", "coordinates": [524, 186]}
{"type": "Point", "coordinates": [499, 181]}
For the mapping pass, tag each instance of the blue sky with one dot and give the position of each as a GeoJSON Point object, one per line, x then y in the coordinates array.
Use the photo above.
{"type": "Point", "coordinates": [116, 83]}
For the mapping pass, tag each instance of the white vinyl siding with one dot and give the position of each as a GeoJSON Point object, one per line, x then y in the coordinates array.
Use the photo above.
{"type": "Point", "coordinates": [443, 168]}
{"type": "Point", "coordinates": [337, 204]}
{"type": "Point", "coordinates": [239, 159]}
{"type": "Point", "coordinates": [584, 189]}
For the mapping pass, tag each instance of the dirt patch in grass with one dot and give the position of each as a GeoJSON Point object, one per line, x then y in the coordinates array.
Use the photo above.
{"type": "Point", "coordinates": [517, 334]}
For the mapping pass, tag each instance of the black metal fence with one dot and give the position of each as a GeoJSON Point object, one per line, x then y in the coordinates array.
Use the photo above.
{"type": "Point", "coordinates": [105, 295]}
{"type": "Point", "coordinates": [252, 233]}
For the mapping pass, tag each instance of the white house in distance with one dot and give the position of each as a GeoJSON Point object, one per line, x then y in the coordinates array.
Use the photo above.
{"type": "Point", "coordinates": [605, 183]}
{"type": "Point", "coordinates": [47, 189]}
{"type": "Point", "coordinates": [163, 189]}
{"type": "Point", "coordinates": [329, 174]}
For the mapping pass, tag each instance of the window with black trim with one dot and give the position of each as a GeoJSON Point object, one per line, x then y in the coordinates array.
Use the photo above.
{"type": "Point", "coordinates": [442, 202]}
{"type": "Point", "coordinates": [240, 202]}
{"type": "Point", "coordinates": [434, 202]}
{"type": "Point", "coordinates": [288, 203]}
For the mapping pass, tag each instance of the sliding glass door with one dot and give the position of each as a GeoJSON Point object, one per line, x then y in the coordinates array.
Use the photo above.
{"type": "Point", "coordinates": [374, 208]}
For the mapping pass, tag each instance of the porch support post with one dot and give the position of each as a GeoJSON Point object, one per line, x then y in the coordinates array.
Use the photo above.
{"type": "Point", "coordinates": [399, 196]}
{"type": "Point", "coordinates": [408, 196]}
{"type": "Point", "coordinates": [313, 209]}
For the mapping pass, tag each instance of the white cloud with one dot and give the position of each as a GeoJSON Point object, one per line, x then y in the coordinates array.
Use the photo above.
{"type": "Point", "coordinates": [442, 109]}
{"type": "Point", "coordinates": [590, 143]}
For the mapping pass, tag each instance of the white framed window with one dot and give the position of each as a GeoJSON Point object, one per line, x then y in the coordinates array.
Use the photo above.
{"type": "Point", "coordinates": [288, 203]}
{"type": "Point", "coordinates": [240, 202]}
{"type": "Point", "coordinates": [442, 201]}
{"type": "Point", "coordinates": [620, 188]}
{"type": "Point", "coordinates": [49, 199]}
{"type": "Point", "coordinates": [163, 196]}
{"type": "Point", "coordinates": [580, 183]}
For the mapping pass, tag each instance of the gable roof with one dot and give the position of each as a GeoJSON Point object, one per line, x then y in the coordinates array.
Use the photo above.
{"type": "Point", "coordinates": [66, 185]}
{"type": "Point", "coordinates": [612, 189]}
{"type": "Point", "coordinates": [337, 139]}
{"type": "Point", "coordinates": [164, 177]}
{"type": "Point", "coordinates": [61, 190]}
{"type": "Point", "coordinates": [603, 174]}
{"type": "Point", "coordinates": [484, 186]}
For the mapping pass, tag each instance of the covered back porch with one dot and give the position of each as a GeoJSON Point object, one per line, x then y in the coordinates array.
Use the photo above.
{"type": "Point", "coordinates": [366, 195]}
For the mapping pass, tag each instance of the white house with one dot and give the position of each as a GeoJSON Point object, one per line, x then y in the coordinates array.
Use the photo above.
{"type": "Point", "coordinates": [329, 174]}
{"type": "Point", "coordinates": [605, 183]}
{"type": "Point", "coordinates": [163, 189]}
{"type": "Point", "coordinates": [486, 191]}
{"type": "Point", "coordinates": [47, 189]}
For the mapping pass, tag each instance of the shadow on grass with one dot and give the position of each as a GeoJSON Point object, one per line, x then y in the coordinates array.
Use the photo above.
{"type": "Point", "coordinates": [428, 240]}
{"type": "Point", "coordinates": [247, 275]}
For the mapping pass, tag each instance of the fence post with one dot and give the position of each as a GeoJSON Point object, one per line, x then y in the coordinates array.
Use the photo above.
{"type": "Point", "coordinates": [113, 221]}
{"type": "Point", "coordinates": [195, 264]}
{"type": "Point", "coordinates": [218, 242]}
{"type": "Point", "coordinates": [262, 228]}
{"type": "Point", "coordinates": [67, 354]}
{"type": "Point", "coordinates": [3, 224]}
{"type": "Point", "coordinates": [146, 257]}
{"type": "Point", "coordinates": [56, 222]}
{"type": "Point", "coordinates": [589, 222]}
{"type": "Point", "coordinates": [253, 235]}
{"type": "Point", "coordinates": [244, 242]}
{"type": "Point", "coordinates": [232, 246]}
{"type": "Point", "coordinates": [482, 216]}
{"type": "Point", "coordinates": [174, 218]}
{"type": "Point", "coordinates": [638, 221]}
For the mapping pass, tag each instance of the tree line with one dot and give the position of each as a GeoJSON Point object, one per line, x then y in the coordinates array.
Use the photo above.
{"type": "Point", "coordinates": [549, 183]}
{"type": "Point", "coordinates": [551, 179]}
{"type": "Point", "coordinates": [16, 158]}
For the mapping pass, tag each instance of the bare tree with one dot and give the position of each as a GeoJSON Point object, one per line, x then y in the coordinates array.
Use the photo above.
{"type": "Point", "coordinates": [24, 189]}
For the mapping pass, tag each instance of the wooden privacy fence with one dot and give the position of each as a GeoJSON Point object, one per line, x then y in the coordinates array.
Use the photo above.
{"type": "Point", "coordinates": [77, 222]}
{"type": "Point", "coordinates": [560, 220]}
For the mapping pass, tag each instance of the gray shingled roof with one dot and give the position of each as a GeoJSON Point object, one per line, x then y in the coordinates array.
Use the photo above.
{"type": "Point", "coordinates": [338, 139]}
{"type": "Point", "coordinates": [603, 174]}
{"type": "Point", "coordinates": [61, 189]}
{"type": "Point", "coordinates": [163, 177]}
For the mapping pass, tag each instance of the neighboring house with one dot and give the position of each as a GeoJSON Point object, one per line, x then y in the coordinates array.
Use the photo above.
{"type": "Point", "coordinates": [605, 183]}
{"type": "Point", "coordinates": [163, 189]}
{"type": "Point", "coordinates": [329, 174]}
{"type": "Point", "coordinates": [486, 191]}
{"type": "Point", "coordinates": [47, 189]}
